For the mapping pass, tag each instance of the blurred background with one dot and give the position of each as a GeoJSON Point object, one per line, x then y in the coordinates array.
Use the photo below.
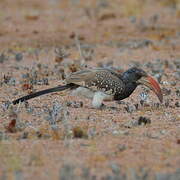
{"type": "Point", "coordinates": [53, 22]}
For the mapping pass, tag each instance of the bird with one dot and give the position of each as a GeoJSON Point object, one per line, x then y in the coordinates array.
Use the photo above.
{"type": "Point", "coordinates": [102, 84]}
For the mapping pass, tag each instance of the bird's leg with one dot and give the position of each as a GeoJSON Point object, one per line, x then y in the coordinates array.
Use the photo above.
{"type": "Point", "coordinates": [98, 99]}
{"type": "Point", "coordinates": [82, 91]}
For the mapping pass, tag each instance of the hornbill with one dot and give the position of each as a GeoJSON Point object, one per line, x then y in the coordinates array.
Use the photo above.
{"type": "Point", "coordinates": [103, 84]}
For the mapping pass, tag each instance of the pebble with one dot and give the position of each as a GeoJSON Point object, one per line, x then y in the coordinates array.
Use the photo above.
{"type": "Point", "coordinates": [18, 56]}
{"type": "Point", "coordinates": [178, 93]}
{"type": "Point", "coordinates": [143, 96]}
{"type": "Point", "coordinates": [132, 19]}
{"type": "Point", "coordinates": [120, 132]}
{"type": "Point", "coordinates": [143, 120]}
{"type": "Point", "coordinates": [115, 168]}
{"type": "Point", "coordinates": [74, 104]}
{"type": "Point", "coordinates": [158, 77]}
{"type": "Point", "coordinates": [177, 104]}
{"type": "Point", "coordinates": [168, 176]}
{"type": "Point", "coordinates": [173, 83]}
{"type": "Point", "coordinates": [3, 58]}
{"type": "Point", "coordinates": [177, 75]}
{"type": "Point", "coordinates": [130, 124]}
{"type": "Point", "coordinates": [166, 91]}
{"type": "Point", "coordinates": [131, 108]}
{"type": "Point", "coordinates": [24, 135]}
{"type": "Point", "coordinates": [167, 103]}
{"type": "Point", "coordinates": [121, 147]}
{"type": "Point", "coordinates": [5, 105]}
{"type": "Point", "coordinates": [177, 63]}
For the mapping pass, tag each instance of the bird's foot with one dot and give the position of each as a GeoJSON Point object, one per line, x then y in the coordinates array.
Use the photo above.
{"type": "Point", "coordinates": [104, 107]}
{"type": "Point", "coordinates": [101, 107]}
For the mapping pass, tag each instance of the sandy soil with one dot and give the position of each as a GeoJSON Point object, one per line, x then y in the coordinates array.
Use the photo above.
{"type": "Point", "coordinates": [58, 136]}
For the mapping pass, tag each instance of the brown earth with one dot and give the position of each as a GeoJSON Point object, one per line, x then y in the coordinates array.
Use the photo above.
{"type": "Point", "coordinates": [58, 136]}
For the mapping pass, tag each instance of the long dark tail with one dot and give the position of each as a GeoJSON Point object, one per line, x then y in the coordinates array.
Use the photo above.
{"type": "Point", "coordinates": [46, 91]}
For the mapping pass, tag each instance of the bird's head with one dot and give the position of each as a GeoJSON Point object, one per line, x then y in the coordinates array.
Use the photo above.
{"type": "Point", "coordinates": [138, 76]}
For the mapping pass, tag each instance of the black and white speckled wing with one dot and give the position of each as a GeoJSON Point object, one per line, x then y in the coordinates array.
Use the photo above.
{"type": "Point", "coordinates": [98, 79]}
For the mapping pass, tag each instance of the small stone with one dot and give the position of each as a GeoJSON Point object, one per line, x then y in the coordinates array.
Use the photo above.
{"type": "Point", "coordinates": [60, 54]}
{"type": "Point", "coordinates": [156, 105]}
{"type": "Point", "coordinates": [5, 105]}
{"type": "Point", "coordinates": [177, 75]}
{"type": "Point", "coordinates": [163, 132]}
{"type": "Point", "coordinates": [132, 19]}
{"type": "Point", "coordinates": [165, 83]}
{"type": "Point", "coordinates": [130, 124]}
{"type": "Point", "coordinates": [173, 83]}
{"type": "Point", "coordinates": [74, 104]}
{"type": "Point", "coordinates": [177, 104]}
{"type": "Point", "coordinates": [143, 120]}
{"type": "Point", "coordinates": [19, 56]}
{"type": "Point", "coordinates": [160, 176]}
{"type": "Point", "coordinates": [143, 96]}
{"type": "Point", "coordinates": [167, 103]}
{"type": "Point", "coordinates": [121, 132]}
{"type": "Point", "coordinates": [24, 135]}
{"type": "Point", "coordinates": [3, 58]}
{"type": "Point", "coordinates": [178, 93]}
{"type": "Point", "coordinates": [152, 135]}
{"type": "Point", "coordinates": [1, 135]}
{"type": "Point", "coordinates": [78, 132]}
{"type": "Point", "coordinates": [158, 77]}
{"type": "Point", "coordinates": [130, 108]}
{"type": "Point", "coordinates": [67, 172]}
{"type": "Point", "coordinates": [121, 147]}
{"type": "Point", "coordinates": [166, 91]}
{"type": "Point", "coordinates": [115, 168]}
{"type": "Point", "coordinates": [177, 63]}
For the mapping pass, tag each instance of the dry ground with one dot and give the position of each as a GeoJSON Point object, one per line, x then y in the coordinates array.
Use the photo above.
{"type": "Point", "coordinates": [58, 136]}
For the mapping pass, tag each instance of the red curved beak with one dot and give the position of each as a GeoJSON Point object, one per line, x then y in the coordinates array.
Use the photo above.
{"type": "Point", "coordinates": [153, 85]}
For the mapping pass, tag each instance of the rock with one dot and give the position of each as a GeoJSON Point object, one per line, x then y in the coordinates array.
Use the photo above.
{"type": "Point", "coordinates": [131, 108]}
{"type": "Point", "coordinates": [18, 56]}
{"type": "Point", "coordinates": [132, 19]}
{"type": "Point", "coordinates": [67, 172]}
{"type": "Point", "coordinates": [178, 93]}
{"type": "Point", "coordinates": [177, 75]}
{"type": "Point", "coordinates": [130, 124]}
{"type": "Point", "coordinates": [115, 168]}
{"type": "Point", "coordinates": [177, 104]}
{"type": "Point", "coordinates": [60, 54]}
{"type": "Point", "coordinates": [5, 105]}
{"type": "Point", "coordinates": [177, 63]}
{"type": "Point", "coordinates": [168, 176]}
{"type": "Point", "coordinates": [173, 83]}
{"type": "Point", "coordinates": [166, 91]}
{"type": "Point", "coordinates": [140, 121]}
{"type": "Point", "coordinates": [167, 103]}
{"type": "Point", "coordinates": [143, 96]}
{"type": "Point", "coordinates": [136, 44]}
{"type": "Point", "coordinates": [106, 15]}
{"type": "Point", "coordinates": [78, 132]}
{"type": "Point", "coordinates": [74, 104]}
{"type": "Point", "coordinates": [143, 120]}
{"type": "Point", "coordinates": [141, 174]}
{"type": "Point", "coordinates": [2, 136]}
{"type": "Point", "coordinates": [121, 147]}
{"type": "Point", "coordinates": [3, 58]}
{"type": "Point", "coordinates": [120, 132]}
